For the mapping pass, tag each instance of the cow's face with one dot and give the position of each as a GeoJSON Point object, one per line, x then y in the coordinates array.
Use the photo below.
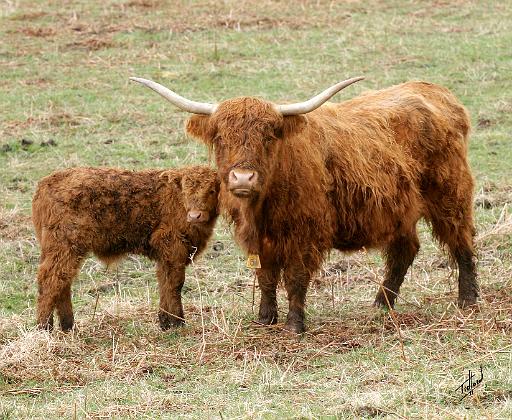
{"type": "Point", "coordinates": [200, 189]}
{"type": "Point", "coordinates": [246, 135]}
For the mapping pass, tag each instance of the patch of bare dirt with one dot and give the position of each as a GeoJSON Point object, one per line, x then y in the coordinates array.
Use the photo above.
{"type": "Point", "coordinates": [501, 297]}
{"type": "Point", "coordinates": [40, 82]}
{"type": "Point", "coordinates": [146, 4]}
{"type": "Point", "coordinates": [38, 32]}
{"type": "Point", "coordinates": [405, 320]}
{"type": "Point", "coordinates": [93, 43]}
{"type": "Point", "coordinates": [500, 300]}
{"type": "Point", "coordinates": [484, 122]}
{"type": "Point", "coordinates": [248, 15]}
{"type": "Point", "coordinates": [29, 16]}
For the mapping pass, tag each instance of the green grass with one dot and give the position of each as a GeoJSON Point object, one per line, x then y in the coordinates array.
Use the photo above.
{"type": "Point", "coordinates": [64, 77]}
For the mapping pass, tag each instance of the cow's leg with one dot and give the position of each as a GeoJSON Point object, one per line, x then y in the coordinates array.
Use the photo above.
{"type": "Point", "coordinates": [171, 277]}
{"type": "Point", "coordinates": [400, 254]}
{"type": "Point", "coordinates": [463, 251]}
{"type": "Point", "coordinates": [267, 281]}
{"type": "Point", "coordinates": [57, 270]}
{"type": "Point", "coordinates": [459, 239]}
{"type": "Point", "coordinates": [296, 280]}
{"type": "Point", "coordinates": [468, 284]}
{"type": "Point", "coordinates": [451, 216]}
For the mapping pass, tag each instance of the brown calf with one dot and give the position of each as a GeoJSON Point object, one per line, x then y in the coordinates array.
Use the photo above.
{"type": "Point", "coordinates": [165, 215]}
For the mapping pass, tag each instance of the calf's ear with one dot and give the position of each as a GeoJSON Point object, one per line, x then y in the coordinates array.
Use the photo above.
{"type": "Point", "coordinates": [199, 126]}
{"type": "Point", "coordinates": [292, 126]}
{"type": "Point", "coordinates": [172, 178]}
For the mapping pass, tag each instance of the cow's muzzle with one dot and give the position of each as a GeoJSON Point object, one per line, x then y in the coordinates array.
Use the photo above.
{"type": "Point", "coordinates": [197, 216]}
{"type": "Point", "coordinates": [243, 182]}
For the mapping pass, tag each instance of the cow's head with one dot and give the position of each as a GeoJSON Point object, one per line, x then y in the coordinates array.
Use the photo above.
{"type": "Point", "coordinates": [246, 133]}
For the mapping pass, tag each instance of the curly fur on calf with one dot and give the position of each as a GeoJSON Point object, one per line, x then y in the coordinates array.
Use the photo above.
{"type": "Point", "coordinates": [166, 215]}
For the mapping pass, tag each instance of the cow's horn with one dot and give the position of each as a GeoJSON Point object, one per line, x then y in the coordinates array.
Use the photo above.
{"type": "Point", "coordinates": [181, 102]}
{"type": "Point", "coordinates": [315, 101]}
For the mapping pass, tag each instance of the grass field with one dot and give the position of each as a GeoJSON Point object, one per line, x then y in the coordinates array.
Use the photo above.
{"type": "Point", "coordinates": [65, 100]}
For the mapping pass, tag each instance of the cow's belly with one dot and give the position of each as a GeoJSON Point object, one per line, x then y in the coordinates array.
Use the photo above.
{"type": "Point", "coordinates": [349, 244]}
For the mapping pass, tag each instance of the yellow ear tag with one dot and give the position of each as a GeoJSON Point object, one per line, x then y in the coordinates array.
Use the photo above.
{"type": "Point", "coordinates": [253, 261]}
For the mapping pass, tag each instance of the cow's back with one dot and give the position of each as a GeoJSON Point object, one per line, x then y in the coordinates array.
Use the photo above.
{"type": "Point", "coordinates": [384, 148]}
{"type": "Point", "coordinates": [424, 119]}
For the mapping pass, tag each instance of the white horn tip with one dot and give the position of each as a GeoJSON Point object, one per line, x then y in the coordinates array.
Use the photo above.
{"type": "Point", "coordinates": [137, 79]}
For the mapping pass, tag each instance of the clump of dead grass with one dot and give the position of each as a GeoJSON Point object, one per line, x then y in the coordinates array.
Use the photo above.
{"type": "Point", "coordinates": [50, 120]}
{"type": "Point", "coordinates": [502, 227]}
{"type": "Point", "coordinates": [493, 196]}
{"type": "Point", "coordinates": [14, 224]}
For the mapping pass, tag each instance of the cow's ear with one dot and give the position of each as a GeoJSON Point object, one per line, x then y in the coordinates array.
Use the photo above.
{"type": "Point", "coordinates": [201, 128]}
{"type": "Point", "coordinates": [293, 125]}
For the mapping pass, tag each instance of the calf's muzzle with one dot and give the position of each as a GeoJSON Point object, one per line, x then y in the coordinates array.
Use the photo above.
{"type": "Point", "coordinates": [197, 216]}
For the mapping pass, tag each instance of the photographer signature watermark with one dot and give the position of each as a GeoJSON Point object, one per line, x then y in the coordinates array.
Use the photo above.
{"type": "Point", "coordinates": [467, 387]}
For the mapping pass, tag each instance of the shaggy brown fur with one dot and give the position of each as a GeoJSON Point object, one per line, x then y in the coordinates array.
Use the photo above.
{"type": "Point", "coordinates": [114, 212]}
{"type": "Point", "coordinates": [355, 174]}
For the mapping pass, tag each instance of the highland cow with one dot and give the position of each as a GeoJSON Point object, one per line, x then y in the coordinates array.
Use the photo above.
{"type": "Point", "coordinates": [300, 179]}
{"type": "Point", "coordinates": [167, 216]}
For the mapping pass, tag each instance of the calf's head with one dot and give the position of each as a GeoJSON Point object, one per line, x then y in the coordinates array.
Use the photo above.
{"type": "Point", "coordinates": [199, 187]}
{"type": "Point", "coordinates": [246, 134]}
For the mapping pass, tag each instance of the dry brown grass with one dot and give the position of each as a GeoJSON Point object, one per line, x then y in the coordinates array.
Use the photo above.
{"type": "Point", "coordinates": [121, 339]}
{"type": "Point", "coordinates": [14, 225]}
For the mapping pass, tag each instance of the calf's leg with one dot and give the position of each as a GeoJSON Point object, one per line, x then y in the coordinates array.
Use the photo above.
{"type": "Point", "coordinates": [57, 270]}
{"type": "Point", "coordinates": [65, 309]}
{"type": "Point", "coordinates": [171, 278]}
{"type": "Point", "coordinates": [400, 254]}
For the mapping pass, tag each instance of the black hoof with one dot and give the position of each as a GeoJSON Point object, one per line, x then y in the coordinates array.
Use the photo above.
{"type": "Point", "coordinates": [295, 327]}
{"type": "Point", "coordinates": [269, 318]}
{"type": "Point", "coordinates": [267, 314]}
{"type": "Point", "coordinates": [46, 325]}
{"type": "Point", "coordinates": [168, 321]}
{"type": "Point", "coordinates": [66, 325]}
{"type": "Point", "coordinates": [295, 324]}
{"type": "Point", "coordinates": [381, 301]}
{"type": "Point", "coordinates": [467, 302]}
